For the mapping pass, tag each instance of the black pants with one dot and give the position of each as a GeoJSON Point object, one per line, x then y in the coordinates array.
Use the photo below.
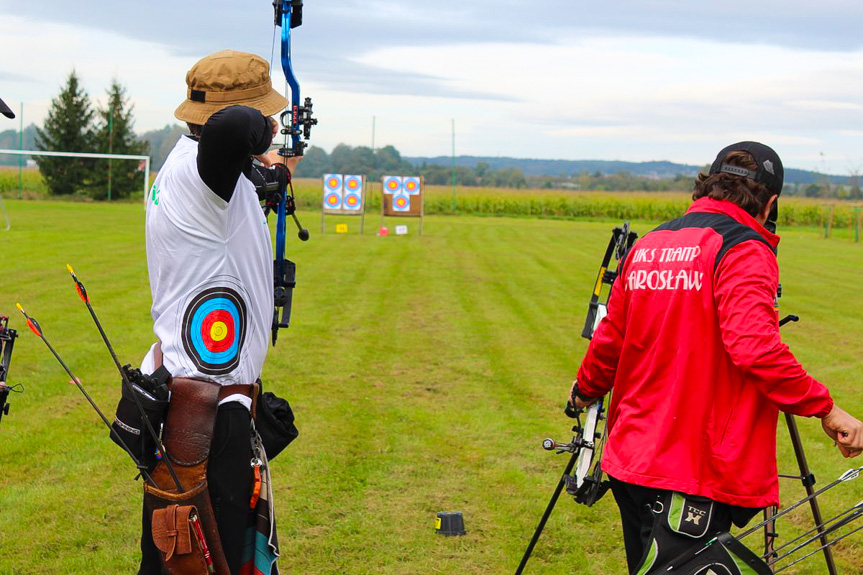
{"type": "Point", "coordinates": [639, 510]}
{"type": "Point", "coordinates": [229, 478]}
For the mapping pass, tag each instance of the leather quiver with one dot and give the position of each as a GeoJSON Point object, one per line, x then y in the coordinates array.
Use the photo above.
{"type": "Point", "coordinates": [188, 434]}
{"type": "Point", "coordinates": [191, 419]}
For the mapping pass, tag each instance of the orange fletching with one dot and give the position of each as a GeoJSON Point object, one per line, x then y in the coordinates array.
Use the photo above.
{"type": "Point", "coordinates": [81, 293]}
{"type": "Point", "coordinates": [34, 327]}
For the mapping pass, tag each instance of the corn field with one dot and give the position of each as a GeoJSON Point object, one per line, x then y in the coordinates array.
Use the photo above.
{"type": "Point", "coordinates": [651, 207]}
{"type": "Point", "coordinates": [830, 215]}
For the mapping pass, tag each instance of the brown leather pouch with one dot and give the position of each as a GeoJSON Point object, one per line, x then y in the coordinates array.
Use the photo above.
{"type": "Point", "coordinates": [176, 562]}
{"type": "Point", "coordinates": [172, 532]}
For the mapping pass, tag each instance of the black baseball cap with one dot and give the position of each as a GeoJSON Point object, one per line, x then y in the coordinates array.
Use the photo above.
{"type": "Point", "coordinates": [5, 110]}
{"type": "Point", "coordinates": [769, 173]}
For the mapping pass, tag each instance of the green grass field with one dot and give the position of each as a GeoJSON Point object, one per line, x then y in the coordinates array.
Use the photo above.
{"type": "Point", "coordinates": [424, 373]}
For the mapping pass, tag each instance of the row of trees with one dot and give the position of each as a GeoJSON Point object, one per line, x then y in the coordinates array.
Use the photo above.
{"type": "Point", "coordinates": [75, 125]}
{"type": "Point", "coordinates": [346, 159]}
{"type": "Point", "coordinates": [361, 160]}
{"type": "Point", "coordinates": [624, 181]}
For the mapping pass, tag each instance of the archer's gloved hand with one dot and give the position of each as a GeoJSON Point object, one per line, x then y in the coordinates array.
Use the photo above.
{"type": "Point", "coordinates": [845, 430]}
{"type": "Point", "coordinates": [577, 399]}
{"type": "Point", "coordinates": [272, 158]}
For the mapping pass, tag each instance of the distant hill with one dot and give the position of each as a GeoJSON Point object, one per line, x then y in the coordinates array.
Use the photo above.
{"type": "Point", "coordinates": [162, 141]}
{"type": "Point", "coordinates": [569, 168]}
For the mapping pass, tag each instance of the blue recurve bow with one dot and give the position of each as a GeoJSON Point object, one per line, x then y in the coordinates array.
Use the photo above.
{"type": "Point", "coordinates": [297, 124]}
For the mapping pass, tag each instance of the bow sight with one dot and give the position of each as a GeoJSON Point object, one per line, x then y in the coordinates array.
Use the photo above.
{"type": "Point", "coordinates": [297, 121]}
{"type": "Point", "coordinates": [7, 341]}
{"type": "Point", "coordinates": [299, 116]}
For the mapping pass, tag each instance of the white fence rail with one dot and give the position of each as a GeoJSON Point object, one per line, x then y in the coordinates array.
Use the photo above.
{"type": "Point", "coordinates": [146, 159]}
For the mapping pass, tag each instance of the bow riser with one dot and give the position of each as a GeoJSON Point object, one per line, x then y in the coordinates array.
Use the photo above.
{"type": "Point", "coordinates": [297, 124]}
{"type": "Point", "coordinates": [289, 15]}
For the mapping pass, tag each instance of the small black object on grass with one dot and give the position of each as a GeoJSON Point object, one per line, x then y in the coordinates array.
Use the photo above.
{"type": "Point", "coordinates": [449, 523]}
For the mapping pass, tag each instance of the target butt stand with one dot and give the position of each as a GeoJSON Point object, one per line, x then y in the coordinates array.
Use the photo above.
{"type": "Point", "coordinates": [344, 195]}
{"type": "Point", "coordinates": [403, 196]}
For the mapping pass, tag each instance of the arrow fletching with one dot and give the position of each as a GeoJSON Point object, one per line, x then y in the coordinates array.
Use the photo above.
{"type": "Point", "coordinates": [79, 287]}
{"type": "Point", "coordinates": [31, 323]}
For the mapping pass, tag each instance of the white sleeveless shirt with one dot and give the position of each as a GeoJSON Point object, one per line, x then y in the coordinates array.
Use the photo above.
{"type": "Point", "coordinates": [211, 274]}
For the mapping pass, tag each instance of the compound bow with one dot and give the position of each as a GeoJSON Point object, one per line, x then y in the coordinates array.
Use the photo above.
{"type": "Point", "coordinates": [586, 484]}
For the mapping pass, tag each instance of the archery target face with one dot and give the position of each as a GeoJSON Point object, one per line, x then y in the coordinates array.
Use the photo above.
{"type": "Point", "coordinates": [412, 185]}
{"type": "Point", "coordinates": [401, 203]}
{"type": "Point", "coordinates": [333, 200]}
{"type": "Point", "coordinates": [392, 185]}
{"type": "Point", "coordinates": [214, 328]}
{"type": "Point", "coordinates": [332, 182]}
{"type": "Point", "coordinates": [333, 185]}
{"type": "Point", "coordinates": [353, 198]}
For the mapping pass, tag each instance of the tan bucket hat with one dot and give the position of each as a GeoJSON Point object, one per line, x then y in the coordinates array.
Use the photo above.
{"type": "Point", "coordinates": [228, 78]}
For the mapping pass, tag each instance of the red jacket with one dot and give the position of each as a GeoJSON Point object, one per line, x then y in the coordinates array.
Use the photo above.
{"type": "Point", "coordinates": [691, 346]}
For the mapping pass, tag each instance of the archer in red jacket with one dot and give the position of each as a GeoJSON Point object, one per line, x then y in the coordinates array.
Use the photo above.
{"type": "Point", "coordinates": [691, 347]}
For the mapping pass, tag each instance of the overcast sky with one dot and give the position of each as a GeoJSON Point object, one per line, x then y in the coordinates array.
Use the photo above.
{"type": "Point", "coordinates": [627, 80]}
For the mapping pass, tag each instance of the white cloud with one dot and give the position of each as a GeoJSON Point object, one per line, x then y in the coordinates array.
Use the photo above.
{"type": "Point", "coordinates": [637, 97]}
{"type": "Point", "coordinates": [570, 94]}
{"type": "Point", "coordinates": [49, 52]}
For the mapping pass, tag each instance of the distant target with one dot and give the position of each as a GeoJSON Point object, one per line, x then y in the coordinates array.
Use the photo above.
{"type": "Point", "coordinates": [333, 200]}
{"type": "Point", "coordinates": [353, 183]}
{"type": "Point", "coordinates": [353, 193]}
{"type": "Point", "coordinates": [412, 185]}
{"type": "Point", "coordinates": [392, 184]}
{"type": "Point", "coordinates": [332, 183]}
{"type": "Point", "coordinates": [214, 328]}
{"type": "Point", "coordinates": [401, 203]}
{"type": "Point", "coordinates": [352, 202]}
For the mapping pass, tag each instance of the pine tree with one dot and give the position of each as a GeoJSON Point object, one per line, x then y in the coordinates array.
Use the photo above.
{"type": "Point", "coordinates": [68, 128]}
{"type": "Point", "coordinates": [114, 135]}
